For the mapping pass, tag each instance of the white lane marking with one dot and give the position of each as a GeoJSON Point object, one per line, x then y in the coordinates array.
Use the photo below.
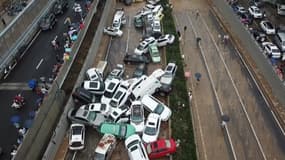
{"type": "Point", "coordinates": [38, 66]}
{"type": "Point", "coordinates": [236, 90]}
{"type": "Point", "coordinates": [74, 155]}
{"type": "Point", "coordinates": [213, 87]}
{"type": "Point", "coordinates": [128, 38]}
{"type": "Point", "coordinates": [195, 104]}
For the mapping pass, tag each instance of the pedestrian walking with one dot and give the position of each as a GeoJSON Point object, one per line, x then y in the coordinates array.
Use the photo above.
{"type": "Point", "coordinates": [197, 14]}
{"type": "Point", "coordinates": [198, 40]}
{"type": "Point", "coordinates": [223, 124]}
{"type": "Point", "coordinates": [3, 22]}
{"type": "Point", "coordinates": [178, 33]}
{"type": "Point", "coordinates": [226, 39]}
{"type": "Point", "coordinates": [55, 43]}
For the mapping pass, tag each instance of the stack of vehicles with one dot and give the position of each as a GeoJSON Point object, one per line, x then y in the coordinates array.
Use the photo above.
{"type": "Point", "coordinates": [126, 108]}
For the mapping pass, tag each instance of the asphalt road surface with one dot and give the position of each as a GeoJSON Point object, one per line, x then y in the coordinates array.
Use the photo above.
{"type": "Point", "coordinates": [226, 87]}
{"type": "Point", "coordinates": [38, 61]}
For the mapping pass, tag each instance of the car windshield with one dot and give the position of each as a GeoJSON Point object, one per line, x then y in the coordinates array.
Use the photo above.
{"type": "Point", "coordinates": [140, 47]}
{"type": "Point", "coordinates": [99, 156]}
{"type": "Point", "coordinates": [113, 103]}
{"type": "Point", "coordinates": [150, 131]}
{"type": "Point", "coordinates": [275, 50]}
{"type": "Point", "coordinates": [137, 114]}
{"type": "Point", "coordinates": [91, 116]}
{"type": "Point", "coordinates": [159, 109]}
{"type": "Point", "coordinates": [133, 143]}
{"type": "Point", "coordinates": [123, 130]}
{"type": "Point", "coordinates": [76, 130]}
{"type": "Point", "coordinates": [108, 94]}
{"type": "Point", "coordinates": [94, 84]}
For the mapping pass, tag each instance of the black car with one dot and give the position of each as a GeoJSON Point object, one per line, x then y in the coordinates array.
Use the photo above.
{"type": "Point", "coordinates": [82, 95]}
{"type": "Point", "coordinates": [140, 70]}
{"type": "Point", "coordinates": [48, 21]}
{"type": "Point", "coordinates": [60, 6]}
{"type": "Point", "coordinates": [246, 18]}
{"type": "Point", "coordinates": [135, 59]}
{"type": "Point", "coordinates": [258, 35]}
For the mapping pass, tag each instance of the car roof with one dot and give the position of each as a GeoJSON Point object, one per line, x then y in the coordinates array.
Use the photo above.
{"type": "Point", "coordinates": [104, 143]}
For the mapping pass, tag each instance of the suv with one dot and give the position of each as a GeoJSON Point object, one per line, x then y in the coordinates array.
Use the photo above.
{"type": "Point", "coordinates": [167, 78]}
{"type": "Point", "coordinates": [111, 88]}
{"type": "Point", "coordinates": [135, 147]}
{"type": "Point", "coordinates": [76, 137]}
{"type": "Point", "coordinates": [119, 19]}
{"type": "Point", "coordinates": [120, 97]}
{"type": "Point", "coordinates": [105, 147]}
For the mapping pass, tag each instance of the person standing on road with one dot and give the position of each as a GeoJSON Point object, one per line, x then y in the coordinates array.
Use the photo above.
{"type": "Point", "coordinates": [197, 14]}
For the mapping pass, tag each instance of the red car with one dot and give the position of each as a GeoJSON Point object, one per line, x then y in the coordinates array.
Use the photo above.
{"type": "Point", "coordinates": [160, 148]}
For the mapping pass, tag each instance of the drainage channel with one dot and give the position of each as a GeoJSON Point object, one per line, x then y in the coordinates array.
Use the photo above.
{"type": "Point", "coordinates": [83, 50]}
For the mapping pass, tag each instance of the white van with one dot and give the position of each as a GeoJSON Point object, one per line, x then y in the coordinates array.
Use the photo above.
{"type": "Point", "coordinates": [148, 86]}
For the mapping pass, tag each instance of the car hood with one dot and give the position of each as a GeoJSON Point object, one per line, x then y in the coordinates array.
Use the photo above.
{"type": "Point", "coordinates": [166, 79]}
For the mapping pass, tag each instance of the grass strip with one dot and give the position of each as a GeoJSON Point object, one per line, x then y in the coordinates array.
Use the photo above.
{"type": "Point", "coordinates": [181, 122]}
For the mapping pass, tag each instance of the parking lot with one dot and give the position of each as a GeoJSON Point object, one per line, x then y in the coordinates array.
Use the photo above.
{"type": "Point", "coordinates": [114, 53]}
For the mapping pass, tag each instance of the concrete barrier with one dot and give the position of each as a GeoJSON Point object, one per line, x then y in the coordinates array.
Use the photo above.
{"type": "Point", "coordinates": [21, 30]}
{"type": "Point", "coordinates": [63, 123]}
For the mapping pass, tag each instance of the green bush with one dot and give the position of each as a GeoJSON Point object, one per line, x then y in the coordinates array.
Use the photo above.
{"type": "Point", "coordinates": [182, 127]}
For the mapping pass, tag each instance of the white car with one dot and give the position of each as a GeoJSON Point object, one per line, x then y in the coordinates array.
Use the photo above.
{"type": "Point", "coordinates": [120, 114]}
{"type": "Point", "coordinates": [255, 12]}
{"type": "Point", "coordinates": [165, 40]}
{"type": "Point", "coordinates": [119, 19]}
{"type": "Point", "coordinates": [76, 137]}
{"type": "Point", "coordinates": [105, 147]}
{"type": "Point", "coordinates": [112, 31]}
{"type": "Point", "coordinates": [267, 27]}
{"type": "Point", "coordinates": [135, 147]}
{"type": "Point", "coordinates": [153, 105]}
{"type": "Point", "coordinates": [271, 50]}
{"type": "Point", "coordinates": [120, 97]}
{"type": "Point", "coordinates": [152, 128]}
{"type": "Point", "coordinates": [118, 71]}
{"type": "Point", "coordinates": [110, 89]}
{"type": "Point", "coordinates": [98, 108]}
{"type": "Point", "coordinates": [168, 77]}
{"type": "Point", "coordinates": [92, 74]}
{"type": "Point", "coordinates": [143, 46]}
{"type": "Point", "coordinates": [95, 87]}
{"type": "Point", "coordinates": [137, 116]}
{"type": "Point", "coordinates": [156, 26]}
{"type": "Point", "coordinates": [158, 73]}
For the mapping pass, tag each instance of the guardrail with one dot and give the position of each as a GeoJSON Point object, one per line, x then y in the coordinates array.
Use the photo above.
{"type": "Point", "coordinates": [20, 31]}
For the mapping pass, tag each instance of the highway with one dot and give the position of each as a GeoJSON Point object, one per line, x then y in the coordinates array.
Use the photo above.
{"type": "Point", "coordinates": [226, 87]}
{"type": "Point", "coordinates": [38, 61]}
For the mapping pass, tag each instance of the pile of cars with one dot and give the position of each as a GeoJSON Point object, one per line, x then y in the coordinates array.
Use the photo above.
{"type": "Point", "coordinates": [270, 38]}
{"type": "Point", "coordinates": [117, 108]}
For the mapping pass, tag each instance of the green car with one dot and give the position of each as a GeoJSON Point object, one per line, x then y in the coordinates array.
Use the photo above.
{"type": "Point", "coordinates": [154, 53]}
{"type": "Point", "coordinates": [138, 21]}
{"type": "Point", "coordinates": [120, 130]}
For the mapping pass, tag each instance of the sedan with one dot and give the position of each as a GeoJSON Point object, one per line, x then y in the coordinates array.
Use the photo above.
{"type": "Point", "coordinates": [167, 78]}
{"type": "Point", "coordinates": [48, 21]}
{"type": "Point", "coordinates": [134, 59]}
{"type": "Point", "coordinates": [76, 137]}
{"type": "Point", "coordinates": [120, 130]}
{"type": "Point", "coordinates": [267, 27]}
{"type": "Point", "coordinates": [165, 40]}
{"type": "Point", "coordinates": [152, 128]}
{"type": "Point", "coordinates": [112, 31]}
{"type": "Point", "coordinates": [98, 108]}
{"type": "Point", "coordinates": [271, 50]}
{"type": "Point", "coordinates": [86, 117]}
{"type": "Point", "coordinates": [143, 46]}
{"type": "Point", "coordinates": [255, 12]}
{"type": "Point", "coordinates": [135, 147]}
{"type": "Point", "coordinates": [95, 87]}
{"type": "Point", "coordinates": [239, 9]}
{"type": "Point", "coordinates": [92, 74]}
{"type": "Point", "coordinates": [161, 148]}
{"type": "Point", "coordinates": [258, 35]}
{"type": "Point", "coordinates": [137, 116]}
